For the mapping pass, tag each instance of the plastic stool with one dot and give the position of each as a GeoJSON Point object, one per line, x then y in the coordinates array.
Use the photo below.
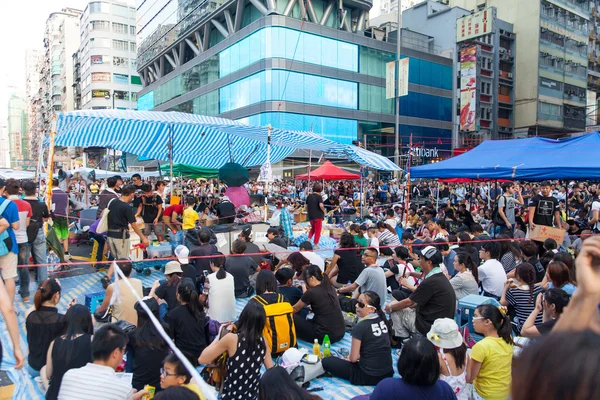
{"type": "Point", "coordinates": [466, 309]}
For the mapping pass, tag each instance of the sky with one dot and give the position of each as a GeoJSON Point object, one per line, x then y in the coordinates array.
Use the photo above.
{"type": "Point", "coordinates": [22, 25]}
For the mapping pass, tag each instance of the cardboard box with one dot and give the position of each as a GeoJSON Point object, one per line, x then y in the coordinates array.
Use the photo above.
{"type": "Point", "coordinates": [300, 217]}
{"type": "Point", "coordinates": [541, 233]}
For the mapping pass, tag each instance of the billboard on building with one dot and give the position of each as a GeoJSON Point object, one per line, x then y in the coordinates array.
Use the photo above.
{"type": "Point", "coordinates": [100, 76]}
{"type": "Point", "coordinates": [96, 59]}
{"type": "Point", "coordinates": [474, 25]}
{"type": "Point", "coordinates": [468, 89]}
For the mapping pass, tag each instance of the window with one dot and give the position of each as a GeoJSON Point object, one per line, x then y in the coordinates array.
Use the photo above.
{"type": "Point", "coordinates": [99, 7]}
{"type": "Point", "coordinates": [486, 88]}
{"type": "Point", "coordinates": [132, 30]}
{"type": "Point", "coordinates": [133, 96]}
{"type": "Point", "coordinates": [134, 64]}
{"type": "Point", "coordinates": [120, 28]}
{"type": "Point", "coordinates": [486, 113]}
{"type": "Point", "coordinates": [549, 109]}
{"type": "Point", "coordinates": [120, 45]}
{"type": "Point", "coordinates": [100, 93]}
{"type": "Point", "coordinates": [132, 47]}
{"type": "Point", "coordinates": [121, 95]}
{"type": "Point", "coordinates": [120, 61]}
{"type": "Point", "coordinates": [146, 101]}
{"type": "Point", "coordinates": [504, 90]}
{"type": "Point", "coordinates": [100, 25]}
{"type": "Point", "coordinates": [372, 98]}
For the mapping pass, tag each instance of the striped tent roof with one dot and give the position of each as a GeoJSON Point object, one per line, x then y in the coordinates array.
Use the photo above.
{"type": "Point", "coordinates": [208, 142]}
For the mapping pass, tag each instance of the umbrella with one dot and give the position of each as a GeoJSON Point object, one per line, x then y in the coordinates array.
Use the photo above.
{"type": "Point", "coordinates": [233, 174]}
{"type": "Point", "coordinates": [238, 196]}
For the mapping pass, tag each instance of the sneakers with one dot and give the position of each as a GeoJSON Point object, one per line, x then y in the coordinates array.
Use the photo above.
{"type": "Point", "coordinates": [67, 257]}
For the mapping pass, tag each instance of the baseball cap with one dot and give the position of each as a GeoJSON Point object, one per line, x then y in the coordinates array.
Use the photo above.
{"type": "Point", "coordinates": [182, 253]}
{"type": "Point", "coordinates": [427, 253]}
{"type": "Point", "coordinates": [225, 198]}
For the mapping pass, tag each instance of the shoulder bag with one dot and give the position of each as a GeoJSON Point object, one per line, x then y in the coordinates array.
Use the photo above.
{"type": "Point", "coordinates": [103, 224]}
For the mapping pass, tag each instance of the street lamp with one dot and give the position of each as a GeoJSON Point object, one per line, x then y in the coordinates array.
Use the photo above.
{"type": "Point", "coordinates": [107, 96]}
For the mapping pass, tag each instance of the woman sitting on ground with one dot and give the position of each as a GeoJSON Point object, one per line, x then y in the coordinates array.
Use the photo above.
{"type": "Point", "coordinates": [167, 290]}
{"type": "Point", "coordinates": [558, 277]}
{"type": "Point", "coordinates": [388, 238]}
{"type": "Point", "coordinates": [465, 281]}
{"type": "Point", "coordinates": [419, 368]}
{"type": "Point", "coordinates": [71, 350]}
{"type": "Point", "coordinates": [277, 384]}
{"type": "Point", "coordinates": [221, 291]}
{"type": "Point", "coordinates": [440, 229]}
{"type": "Point", "coordinates": [147, 349]}
{"type": "Point", "coordinates": [173, 373]}
{"type": "Point", "coordinates": [551, 304]}
{"type": "Point", "coordinates": [123, 309]}
{"type": "Point", "coordinates": [298, 262]}
{"type": "Point", "coordinates": [246, 351]}
{"type": "Point", "coordinates": [520, 292]}
{"type": "Point", "coordinates": [446, 337]}
{"type": "Point", "coordinates": [465, 246]}
{"type": "Point", "coordinates": [320, 295]}
{"type": "Point", "coordinates": [359, 238]}
{"type": "Point", "coordinates": [509, 253]}
{"type": "Point", "coordinates": [491, 358]}
{"type": "Point", "coordinates": [44, 324]}
{"type": "Point", "coordinates": [370, 358]}
{"type": "Point", "coordinates": [187, 321]}
{"type": "Point", "coordinates": [346, 264]}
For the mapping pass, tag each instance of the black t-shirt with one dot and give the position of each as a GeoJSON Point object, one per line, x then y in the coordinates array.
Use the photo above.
{"type": "Point", "coordinates": [349, 264]}
{"type": "Point", "coordinates": [544, 209]}
{"type": "Point", "coordinates": [150, 207]}
{"type": "Point", "coordinates": [203, 264]}
{"type": "Point", "coordinates": [147, 363]}
{"type": "Point", "coordinates": [331, 204]}
{"type": "Point", "coordinates": [226, 212]}
{"type": "Point", "coordinates": [251, 248]}
{"type": "Point", "coordinates": [189, 334]}
{"type": "Point", "coordinates": [119, 217]}
{"type": "Point", "coordinates": [375, 350]}
{"type": "Point", "coordinates": [545, 327]}
{"type": "Point", "coordinates": [312, 206]}
{"type": "Point", "coordinates": [189, 271]}
{"type": "Point", "coordinates": [391, 280]}
{"type": "Point", "coordinates": [39, 211]}
{"type": "Point", "coordinates": [279, 241]}
{"type": "Point", "coordinates": [168, 294]}
{"type": "Point", "coordinates": [328, 318]}
{"type": "Point", "coordinates": [435, 299]}
{"type": "Point", "coordinates": [540, 272]}
{"type": "Point", "coordinates": [291, 294]}
{"type": "Point", "coordinates": [241, 267]}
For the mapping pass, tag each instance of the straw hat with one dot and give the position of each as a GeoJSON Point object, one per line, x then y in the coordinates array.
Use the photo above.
{"type": "Point", "coordinates": [172, 267]}
{"type": "Point", "coordinates": [444, 334]}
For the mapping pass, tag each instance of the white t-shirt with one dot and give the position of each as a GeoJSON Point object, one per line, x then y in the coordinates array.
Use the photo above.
{"type": "Point", "coordinates": [374, 242]}
{"type": "Point", "coordinates": [221, 298]}
{"type": "Point", "coordinates": [391, 222]}
{"type": "Point", "coordinates": [492, 277]}
{"type": "Point", "coordinates": [315, 259]}
{"type": "Point", "coordinates": [596, 207]}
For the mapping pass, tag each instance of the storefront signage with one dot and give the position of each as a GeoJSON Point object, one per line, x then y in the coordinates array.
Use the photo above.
{"type": "Point", "coordinates": [468, 89]}
{"type": "Point", "coordinates": [475, 25]}
{"type": "Point", "coordinates": [96, 59]}
{"type": "Point", "coordinates": [428, 153]}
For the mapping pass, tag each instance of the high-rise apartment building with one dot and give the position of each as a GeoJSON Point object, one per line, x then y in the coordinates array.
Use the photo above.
{"type": "Point", "coordinates": [17, 130]}
{"type": "Point", "coordinates": [33, 66]}
{"type": "Point", "coordinates": [551, 62]}
{"type": "Point", "coordinates": [61, 40]}
{"type": "Point", "coordinates": [386, 11]}
{"type": "Point", "coordinates": [104, 66]}
{"type": "Point", "coordinates": [485, 59]}
{"type": "Point", "coordinates": [303, 65]}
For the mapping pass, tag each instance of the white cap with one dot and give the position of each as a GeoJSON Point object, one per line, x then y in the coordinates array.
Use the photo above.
{"type": "Point", "coordinates": [182, 253]}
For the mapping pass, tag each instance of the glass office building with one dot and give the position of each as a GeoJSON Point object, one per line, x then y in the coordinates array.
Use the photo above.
{"type": "Point", "coordinates": [322, 74]}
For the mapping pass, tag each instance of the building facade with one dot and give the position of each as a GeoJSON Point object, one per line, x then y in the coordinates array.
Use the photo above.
{"type": "Point", "coordinates": [61, 40]}
{"type": "Point", "coordinates": [550, 91]}
{"type": "Point", "coordinates": [33, 66]}
{"type": "Point", "coordinates": [484, 102]}
{"type": "Point", "coordinates": [104, 66]}
{"type": "Point", "coordinates": [295, 65]}
{"type": "Point", "coordinates": [17, 130]}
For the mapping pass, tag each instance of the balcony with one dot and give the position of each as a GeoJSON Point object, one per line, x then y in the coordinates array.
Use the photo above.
{"type": "Point", "coordinates": [502, 98]}
{"type": "Point", "coordinates": [506, 75]}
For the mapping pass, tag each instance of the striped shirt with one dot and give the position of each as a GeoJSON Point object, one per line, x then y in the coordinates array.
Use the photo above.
{"type": "Point", "coordinates": [387, 238]}
{"type": "Point", "coordinates": [94, 382]}
{"type": "Point", "coordinates": [519, 299]}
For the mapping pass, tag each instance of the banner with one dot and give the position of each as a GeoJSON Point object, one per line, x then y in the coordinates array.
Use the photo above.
{"type": "Point", "coordinates": [403, 77]}
{"type": "Point", "coordinates": [96, 59]}
{"type": "Point", "coordinates": [475, 25]}
{"type": "Point", "coordinates": [100, 76]}
{"type": "Point", "coordinates": [390, 80]}
{"type": "Point", "coordinates": [266, 173]}
{"type": "Point", "coordinates": [468, 89]}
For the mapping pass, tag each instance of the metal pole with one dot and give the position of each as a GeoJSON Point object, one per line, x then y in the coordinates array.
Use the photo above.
{"type": "Point", "coordinates": [397, 124]}
{"type": "Point", "coordinates": [171, 159]}
{"type": "Point", "coordinates": [437, 197]}
{"type": "Point", "coordinates": [408, 162]}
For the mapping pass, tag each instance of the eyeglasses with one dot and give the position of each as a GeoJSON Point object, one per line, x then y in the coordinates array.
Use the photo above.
{"type": "Point", "coordinates": [164, 373]}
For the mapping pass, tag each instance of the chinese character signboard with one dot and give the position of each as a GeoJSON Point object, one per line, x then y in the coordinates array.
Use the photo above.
{"type": "Point", "coordinates": [403, 77]}
{"type": "Point", "coordinates": [390, 80]}
{"type": "Point", "coordinates": [474, 25]}
{"type": "Point", "coordinates": [468, 89]}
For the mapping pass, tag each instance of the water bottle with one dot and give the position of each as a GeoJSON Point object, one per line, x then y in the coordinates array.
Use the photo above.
{"type": "Point", "coordinates": [317, 348]}
{"type": "Point", "coordinates": [326, 346]}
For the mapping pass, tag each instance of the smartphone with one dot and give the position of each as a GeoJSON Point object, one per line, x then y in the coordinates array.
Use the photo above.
{"type": "Point", "coordinates": [205, 272]}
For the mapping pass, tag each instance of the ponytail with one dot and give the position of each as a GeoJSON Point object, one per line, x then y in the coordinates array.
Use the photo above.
{"type": "Point", "coordinates": [375, 301]}
{"type": "Point", "coordinates": [173, 279]}
{"type": "Point", "coordinates": [217, 260]}
{"type": "Point", "coordinates": [314, 271]}
{"type": "Point", "coordinates": [500, 320]}
{"type": "Point", "coordinates": [526, 273]}
{"type": "Point", "coordinates": [188, 294]}
{"type": "Point", "coordinates": [45, 292]}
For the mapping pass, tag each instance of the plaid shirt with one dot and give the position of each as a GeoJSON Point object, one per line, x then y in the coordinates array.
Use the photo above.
{"type": "Point", "coordinates": [285, 220]}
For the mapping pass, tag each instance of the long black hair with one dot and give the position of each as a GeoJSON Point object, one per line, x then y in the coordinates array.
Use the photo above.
{"type": "Point", "coordinates": [251, 323]}
{"type": "Point", "coordinates": [315, 271]}
{"type": "Point", "coordinates": [500, 321]}
{"type": "Point", "coordinates": [188, 294]}
{"type": "Point", "coordinates": [277, 384]}
{"type": "Point", "coordinates": [79, 322]}
{"type": "Point", "coordinates": [419, 363]}
{"type": "Point", "coordinates": [265, 282]}
{"type": "Point", "coordinates": [146, 334]}
{"type": "Point", "coordinates": [218, 261]}
{"type": "Point", "coordinates": [467, 261]}
{"type": "Point", "coordinates": [375, 301]}
{"type": "Point", "coordinates": [45, 292]}
{"type": "Point", "coordinates": [526, 273]}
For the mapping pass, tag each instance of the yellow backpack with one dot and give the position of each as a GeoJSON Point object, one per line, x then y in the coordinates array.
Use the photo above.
{"type": "Point", "coordinates": [279, 332]}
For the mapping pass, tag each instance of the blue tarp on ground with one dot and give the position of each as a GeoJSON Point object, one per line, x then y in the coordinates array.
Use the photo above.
{"type": "Point", "coordinates": [522, 159]}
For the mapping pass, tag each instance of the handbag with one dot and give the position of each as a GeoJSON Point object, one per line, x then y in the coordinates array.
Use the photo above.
{"type": "Point", "coordinates": [104, 317]}
{"type": "Point", "coordinates": [103, 224]}
{"type": "Point", "coordinates": [215, 372]}
{"type": "Point", "coordinates": [125, 326]}
{"type": "Point", "coordinates": [5, 239]}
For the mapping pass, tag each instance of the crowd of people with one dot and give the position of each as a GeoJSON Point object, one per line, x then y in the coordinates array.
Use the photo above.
{"type": "Point", "coordinates": [399, 269]}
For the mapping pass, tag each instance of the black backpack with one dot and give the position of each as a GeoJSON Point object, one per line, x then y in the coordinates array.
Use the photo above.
{"type": "Point", "coordinates": [496, 219]}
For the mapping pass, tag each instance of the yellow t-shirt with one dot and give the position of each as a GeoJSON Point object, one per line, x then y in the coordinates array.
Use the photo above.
{"type": "Point", "coordinates": [494, 378]}
{"type": "Point", "coordinates": [196, 389]}
{"type": "Point", "coordinates": [189, 218]}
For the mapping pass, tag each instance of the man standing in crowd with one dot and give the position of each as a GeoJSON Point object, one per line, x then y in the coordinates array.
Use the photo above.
{"type": "Point", "coordinates": [60, 216]}
{"type": "Point", "coordinates": [98, 379]}
{"type": "Point", "coordinates": [150, 209]}
{"type": "Point", "coordinates": [226, 211]}
{"type": "Point", "coordinates": [506, 206]}
{"type": "Point", "coordinates": [316, 212]}
{"type": "Point", "coordinates": [120, 216]}
{"type": "Point", "coordinates": [9, 261]}
{"type": "Point", "coordinates": [544, 210]}
{"type": "Point", "coordinates": [434, 298]}
{"type": "Point", "coordinates": [107, 194]}
{"type": "Point", "coordinates": [24, 209]}
{"type": "Point", "coordinates": [35, 231]}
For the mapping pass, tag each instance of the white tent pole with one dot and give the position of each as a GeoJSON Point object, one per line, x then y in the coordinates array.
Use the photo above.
{"type": "Point", "coordinates": [171, 159]}
{"type": "Point", "coordinates": [437, 199]}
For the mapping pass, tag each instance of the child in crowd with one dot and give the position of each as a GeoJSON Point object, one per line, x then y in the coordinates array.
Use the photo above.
{"type": "Point", "coordinates": [373, 239]}
{"type": "Point", "coordinates": [285, 277]}
{"type": "Point", "coordinates": [174, 373]}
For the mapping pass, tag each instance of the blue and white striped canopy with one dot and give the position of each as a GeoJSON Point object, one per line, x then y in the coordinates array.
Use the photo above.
{"type": "Point", "coordinates": [208, 142]}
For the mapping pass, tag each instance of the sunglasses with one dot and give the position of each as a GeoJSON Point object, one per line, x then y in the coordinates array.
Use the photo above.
{"type": "Point", "coordinates": [360, 304]}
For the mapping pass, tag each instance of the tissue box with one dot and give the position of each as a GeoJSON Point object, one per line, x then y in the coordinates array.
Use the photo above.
{"type": "Point", "coordinates": [93, 300]}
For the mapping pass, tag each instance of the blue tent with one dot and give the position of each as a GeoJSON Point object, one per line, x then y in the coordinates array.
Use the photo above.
{"type": "Point", "coordinates": [522, 159]}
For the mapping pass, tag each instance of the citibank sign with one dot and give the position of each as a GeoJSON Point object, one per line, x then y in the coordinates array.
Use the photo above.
{"type": "Point", "coordinates": [423, 152]}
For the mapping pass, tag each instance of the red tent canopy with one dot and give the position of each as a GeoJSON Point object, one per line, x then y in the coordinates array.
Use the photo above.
{"type": "Point", "coordinates": [329, 172]}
